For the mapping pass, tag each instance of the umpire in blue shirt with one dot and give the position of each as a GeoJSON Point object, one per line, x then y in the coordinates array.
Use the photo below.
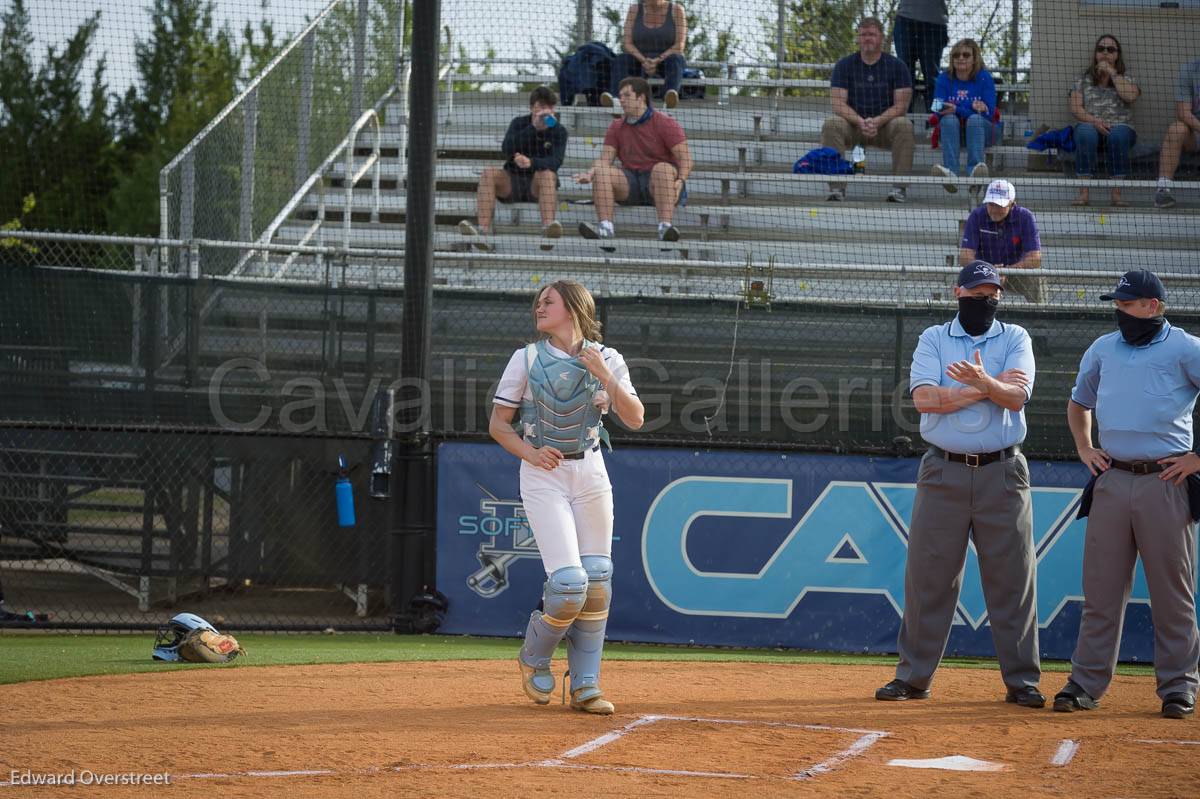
{"type": "Point", "coordinates": [971, 378]}
{"type": "Point", "coordinates": [1141, 380]}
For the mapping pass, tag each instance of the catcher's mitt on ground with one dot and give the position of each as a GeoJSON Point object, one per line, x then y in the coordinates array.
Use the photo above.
{"type": "Point", "coordinates": [207, 646]}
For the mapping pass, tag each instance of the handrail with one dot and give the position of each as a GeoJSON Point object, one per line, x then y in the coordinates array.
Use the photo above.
{"type": "Point", "coordinates": [654, 264]}
{"type": "Point", "coordinates": [755, 83]}
{"type": "Point", "coordinates": [163, 202]}
{"type": "Point", "coordinates": [346, 145]}
{"type": "Point", "coordinates": [824, 66]}
{"type": "Point", "coordinates": [351, 177]}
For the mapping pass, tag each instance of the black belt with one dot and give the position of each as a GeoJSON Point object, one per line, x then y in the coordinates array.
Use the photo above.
{"type": "Point", "coordinates": [575, 456]}
{"type": "Point", "coordinates": [1138, 467]}
{"type": "Point", "coordinates": [975, 460]}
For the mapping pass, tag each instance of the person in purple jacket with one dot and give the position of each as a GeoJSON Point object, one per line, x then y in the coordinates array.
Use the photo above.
{"type": "Point", "coordinates": [1005, 235]}
{"type": "Point", "coordinates": [965, 96]}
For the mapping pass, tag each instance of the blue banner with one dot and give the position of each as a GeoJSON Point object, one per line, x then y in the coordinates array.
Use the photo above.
{"type": "Point", "coordinates": [752, 550]}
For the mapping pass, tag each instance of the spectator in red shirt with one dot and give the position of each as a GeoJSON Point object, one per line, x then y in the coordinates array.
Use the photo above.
{"type": "Point", "coordinates": [655, 164]}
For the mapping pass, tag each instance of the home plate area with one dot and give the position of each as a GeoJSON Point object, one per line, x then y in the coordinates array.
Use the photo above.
{"type": "Point", "coordinates": [463, 728]}
{"type": "Point", "coordinates": [692, 747]}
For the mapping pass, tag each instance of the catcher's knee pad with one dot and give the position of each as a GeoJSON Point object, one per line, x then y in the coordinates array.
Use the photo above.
{"type": "Point", "coordinates": [563, 599]}
{"type": "Point", "coordinates": [585, 639]}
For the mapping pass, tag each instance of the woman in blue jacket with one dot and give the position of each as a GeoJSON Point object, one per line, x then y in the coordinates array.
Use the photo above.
{"type": "Point", "coordinates": [967, 94]}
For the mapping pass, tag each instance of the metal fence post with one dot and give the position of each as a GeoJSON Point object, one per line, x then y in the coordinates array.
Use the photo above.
{"type": "Point", "coordinates": [401, 22]}
{"type": "Point", "coordinates": [360, 58]}
{"type": "Point", "coordinates": [780, 21]}
{"type": "Point", "coordinates": [304, 134]}
{"type": "Point", "coordinates": [249, 137]}
{"type": "Point", "coordinates": [780, 47]}
{"type": "Point", "coordinates": [1015, 50]}
{"type": "Point", "coordinates": [412, 523]}
{"type": "Point", "coordinates": [581, 11]}
{"type": "Point", "coordinates": [187, 203]}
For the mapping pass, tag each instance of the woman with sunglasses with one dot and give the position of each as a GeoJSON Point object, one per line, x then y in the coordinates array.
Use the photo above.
{"type": "Point", "coordinates": [1102, 101]}
{"type": "Point", "coordinates": [967, 94]}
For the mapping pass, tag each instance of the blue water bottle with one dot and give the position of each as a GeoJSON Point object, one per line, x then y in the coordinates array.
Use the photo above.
{"type": "Point", "coordinates": [344, 493]}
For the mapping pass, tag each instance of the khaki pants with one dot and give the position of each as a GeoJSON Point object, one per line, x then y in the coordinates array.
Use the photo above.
{"type": "Point", "coordinates": [896, 136]}
{"type": "Point", "coordinates": [1032, 287]}
{"type": "Point", "coordinates": [955, 505]}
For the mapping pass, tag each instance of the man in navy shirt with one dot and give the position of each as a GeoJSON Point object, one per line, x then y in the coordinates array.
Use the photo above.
{"type": "Point", "coordinates": [1141, 383]}
{"type": "Point", "coordinates": [1006, 235]}
{"type": "Point", "coordinates": [534, 146]}
{"type": "Point", "coordinates": [871, 90]}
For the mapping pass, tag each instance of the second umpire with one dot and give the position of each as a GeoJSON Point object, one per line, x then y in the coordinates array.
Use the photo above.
{"type": "Point", "coordinates": [971, 378]}
{"type": "Point", "coordinates": [1142, 380]}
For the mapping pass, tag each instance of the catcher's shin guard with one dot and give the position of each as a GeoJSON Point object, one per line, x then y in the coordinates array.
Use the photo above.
{"type": "Point", "coordinates": [585, 639]}
{"type": "Point", "coordinates": [562, 600]}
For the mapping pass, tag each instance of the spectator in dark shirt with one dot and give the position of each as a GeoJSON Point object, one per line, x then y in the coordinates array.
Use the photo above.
{"type": "Point", "coordinates": [654, 40]}
{"type": "Point", "coordinates": [920, 34]}
{"type": "Point", "coordinates": [1005, 235]}
{"type": "Point", "coordinates": [655, 164]}
{"type": "Point", "coordinates": [535, 146]}
{"type": "Point", "coordinates": [871, 90]}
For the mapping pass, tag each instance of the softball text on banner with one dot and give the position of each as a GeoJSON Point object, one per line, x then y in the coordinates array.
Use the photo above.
{"type": "Point", "coordinates": [752, 549]}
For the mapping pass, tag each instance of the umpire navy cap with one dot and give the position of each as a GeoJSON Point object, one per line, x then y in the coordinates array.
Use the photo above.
{"type": "Point", "coordinates": [1137, 284]}
{"type": "Point", "coordinates": [977, 273]}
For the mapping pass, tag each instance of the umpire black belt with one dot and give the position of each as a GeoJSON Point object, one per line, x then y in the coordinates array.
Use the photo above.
{"type": "Point", "coordinates": [1138, 467]}
{"type": "Point", "coordinates": [975, 460]}
{"type": "Point", "coordinates": [576, 456]}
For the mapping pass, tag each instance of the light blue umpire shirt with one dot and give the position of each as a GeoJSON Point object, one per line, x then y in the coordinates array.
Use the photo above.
{"type": "Point", "coordinates": [982, 426]}
{"type": "Point", "coordinates": [1143, 396]}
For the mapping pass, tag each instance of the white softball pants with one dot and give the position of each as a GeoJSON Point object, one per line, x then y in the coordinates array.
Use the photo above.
{"type": "Point", "coordinates": [570, 510]}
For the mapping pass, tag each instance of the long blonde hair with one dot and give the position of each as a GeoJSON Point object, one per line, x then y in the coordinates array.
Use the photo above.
{"type": "Point", "coordinates": [976, 57]}
{"type": "Point", "coordinates": [580, 305]}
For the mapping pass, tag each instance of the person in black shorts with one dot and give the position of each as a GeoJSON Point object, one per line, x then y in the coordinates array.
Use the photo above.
{"type": "Point", "coordinates": [534, 146]}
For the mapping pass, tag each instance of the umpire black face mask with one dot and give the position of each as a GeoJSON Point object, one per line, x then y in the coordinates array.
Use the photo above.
{"type": "Point", "coordinates": [1138, 331]}
{"type": "Point", "coordinates": [976, 314]}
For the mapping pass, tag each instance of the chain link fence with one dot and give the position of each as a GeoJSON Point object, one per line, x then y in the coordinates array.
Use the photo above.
{"type": "Point", "coordinates": [173, 407]}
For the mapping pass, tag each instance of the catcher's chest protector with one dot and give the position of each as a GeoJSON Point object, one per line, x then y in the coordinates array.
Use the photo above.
{"type": "Point", "coordinates": [561, 414]}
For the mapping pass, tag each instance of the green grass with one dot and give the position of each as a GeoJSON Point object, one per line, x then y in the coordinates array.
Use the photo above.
{"type": "Point", "coordinates": [38, 656]}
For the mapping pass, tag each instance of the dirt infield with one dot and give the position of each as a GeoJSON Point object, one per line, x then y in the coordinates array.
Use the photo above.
{"type": "Point", "coordinates": [681, 729]}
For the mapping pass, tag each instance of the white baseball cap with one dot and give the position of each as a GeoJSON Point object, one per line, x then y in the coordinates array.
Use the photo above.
{"type": "Point", "coordinates": [1000, 192]}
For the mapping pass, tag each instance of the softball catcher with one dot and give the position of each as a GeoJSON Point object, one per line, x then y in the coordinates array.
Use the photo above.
{"type": "Point", "coordinates": [562, 385]}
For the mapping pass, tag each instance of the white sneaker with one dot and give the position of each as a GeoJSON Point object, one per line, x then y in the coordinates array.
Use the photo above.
{"type": "Point", "coordinates": [671, 98]}
{"type": "Point", "coordinates": [606, 100]}
{"type": "Point", "coordinates": [668, 232]}
{"type": "Point", "coordinates": [836, 196]}
{"type": "Point", "coordinates": [596, 231]}
{"type": "Point", "coordinates": [940, 171]}
{"type": "Point", "coordinates": [538, 685]}
{"type": "Point", "coordinates": [480, 239]}
{"type": "Point", "coordinates": [897, 195]}
{"type": "Point", "coordinates": [551, 231]}
{"type": "Point", "coordinates": [591, 701]}
{"type": "Point", "coordinates": [980, 172]}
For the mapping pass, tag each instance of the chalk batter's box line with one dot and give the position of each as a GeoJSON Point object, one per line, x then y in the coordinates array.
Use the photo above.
{"type": "Point", "coordinates": [1066, 751]}
{"type": "Point", "coordinates": [865, 740]}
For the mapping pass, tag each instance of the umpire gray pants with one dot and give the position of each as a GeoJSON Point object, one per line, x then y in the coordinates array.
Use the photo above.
{"type": "Point", "coordinates": [990, 505]}
{"type": "Point", "coordinates": [1134, 514]}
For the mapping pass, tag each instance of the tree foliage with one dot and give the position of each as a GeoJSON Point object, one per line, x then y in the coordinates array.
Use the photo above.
{"type": "Point", "coordinates": [91, 156]}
